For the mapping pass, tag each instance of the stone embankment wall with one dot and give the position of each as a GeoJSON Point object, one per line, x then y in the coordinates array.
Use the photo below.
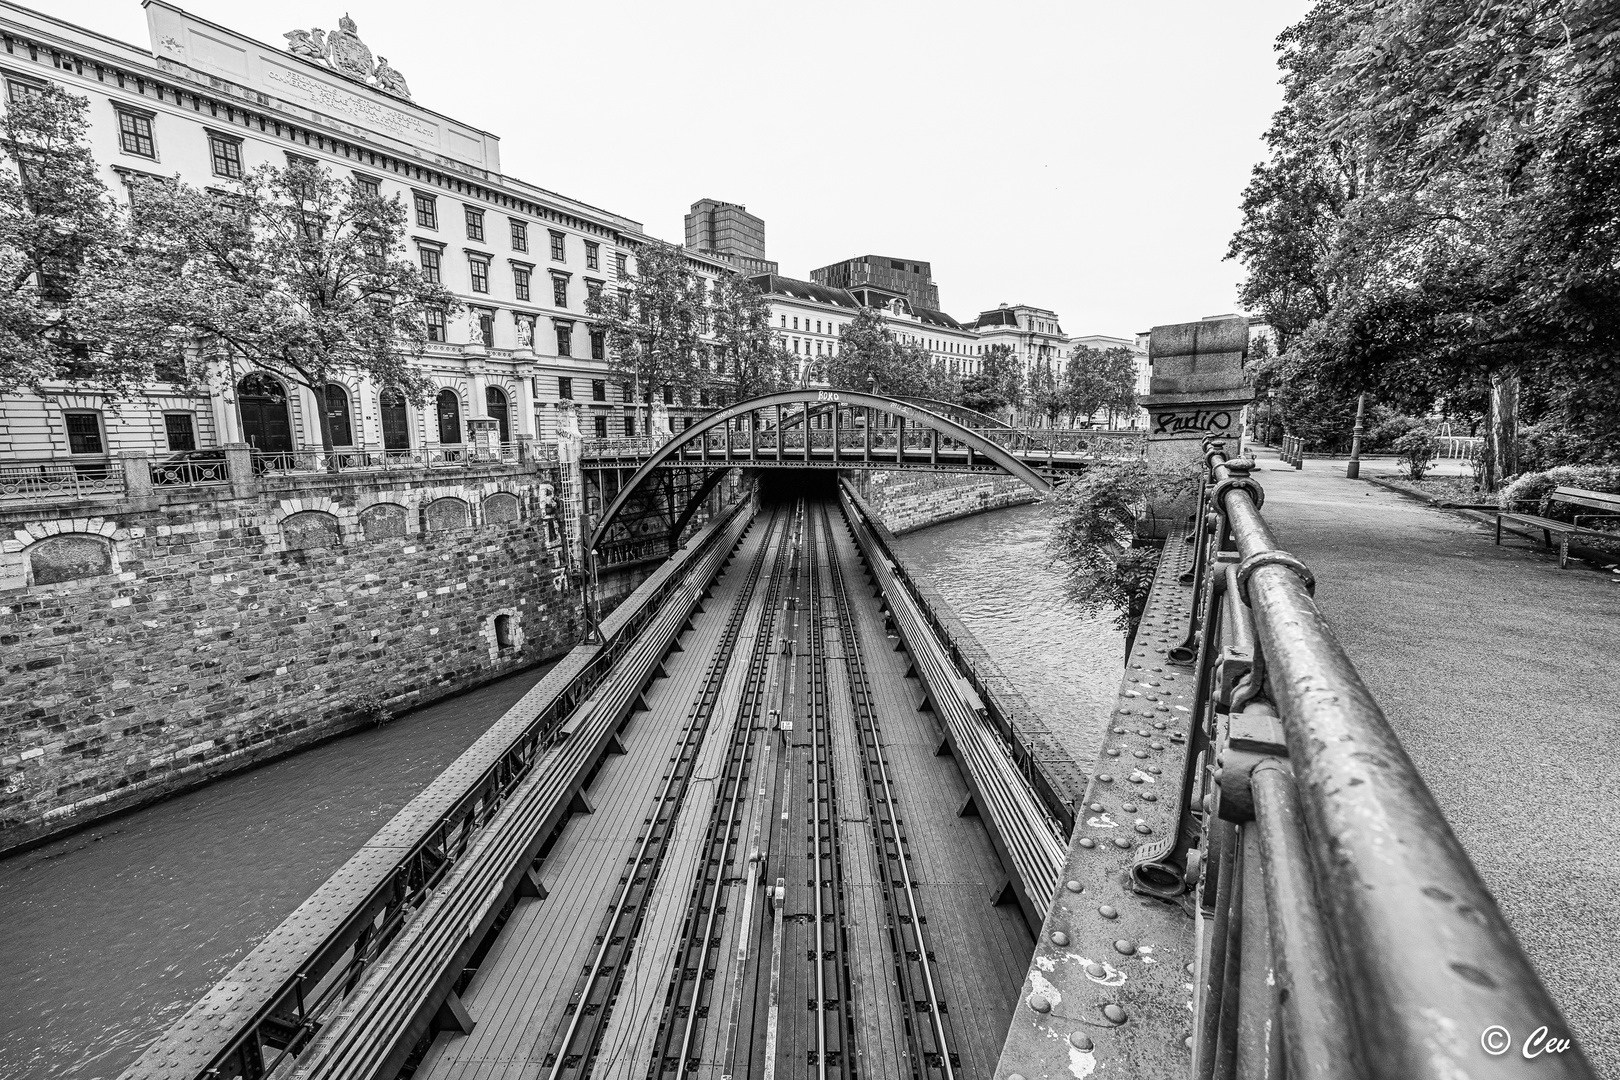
{"type": "Point", "coordinates": [904, 500]}
{"type": "Point", "coordinates": [149, 644]}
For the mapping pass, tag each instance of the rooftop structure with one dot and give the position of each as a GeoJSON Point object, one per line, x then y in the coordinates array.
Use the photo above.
{"type": "Point", "coordinates": [877, 279]}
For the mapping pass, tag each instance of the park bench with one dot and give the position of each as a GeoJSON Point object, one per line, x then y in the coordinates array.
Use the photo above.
{"type": "Point", "coordinates": [1597, 500]}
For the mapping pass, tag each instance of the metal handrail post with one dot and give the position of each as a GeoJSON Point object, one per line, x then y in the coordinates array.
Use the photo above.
{"type": "Point", "coordinates": [1429, 961]}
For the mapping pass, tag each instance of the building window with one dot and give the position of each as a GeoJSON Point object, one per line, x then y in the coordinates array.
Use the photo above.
{"type": "Point", "coordinates": [181, 430]}
{"type": "Point", "coordinates": [622, 261]}
{"type": "Point", "coordinates": [503, 633]}
{"type": "Point", "coordinates": [427, 211]}
{"type": "Point", "coordinates": [84, 433]}
{"type": "Point", "coordinates": [431, 266]}
{"type": "Point", "coordinates": [630, 424]}
{"type": "Point", "coordinates": [475, 223]}
{"type": "Point", "coordinates": [337, 415]}
{"type": "Point", "coordinates": [370, 186]}
{"type": "Point", "coordinates": [784, 322]}
{"type": "Point", "coordinates": [226, 154]}
{"type": "Point", "coordinates": [795, 322]}
{"type": "Point", "coordinates": [669, 394]}
{"type": "Point", "coordinates": [565, 339]}
{"type": "Point", "coordinates": [687, 426]}
{"type": "Point", "coordinates": [559, 290]}
{"type": "Point", "coordinates": [593, 255]}
{"type": "Point", "coordinates": [559, 252]}
{"type": "Point", "coordinates": [135, 134]}
{"type": "Point", "coordinates": [598, 345]}
{"type": "Point", "coordinates": [480, 273]}
{"type": "Point", "coordinates": [520, 282]}
{"type": "Point", "coordinates": [449, 408]}
{"type": "Point", "coordinates": [435, 324]}
{"type": "Point", "coordinates": [21, 91]}
{"type": "Point", "coordinates": [565, 387]}
{"type": "Point", "coordinates": [520, 235]}
{"type": "Point", "coordinates": [486, 327]}
{"type": "Point", "coordinates": [598, 389]}
{"type": "Point", "coordinates": [601, 427]}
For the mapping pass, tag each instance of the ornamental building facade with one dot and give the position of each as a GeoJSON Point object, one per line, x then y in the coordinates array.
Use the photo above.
{"type": "Point", "coordinates": [206, 104]}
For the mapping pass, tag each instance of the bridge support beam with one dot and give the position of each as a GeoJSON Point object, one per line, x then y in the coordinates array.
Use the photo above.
{"type": "Point", "coordinates": [1196, 390]}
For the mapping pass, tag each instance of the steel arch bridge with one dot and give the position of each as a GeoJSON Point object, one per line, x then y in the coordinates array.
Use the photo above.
{"type": "Point", "coordinates": [840, 429]}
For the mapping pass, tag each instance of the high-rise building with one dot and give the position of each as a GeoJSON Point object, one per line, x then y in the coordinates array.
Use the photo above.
{"type": "Point", "coordinates": [877, 279]}
{"type": "Point", "coordinates": [729, 231]}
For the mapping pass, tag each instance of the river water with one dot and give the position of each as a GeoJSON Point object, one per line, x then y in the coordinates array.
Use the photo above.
{"type": "Point", "coordinates": [107, 936]}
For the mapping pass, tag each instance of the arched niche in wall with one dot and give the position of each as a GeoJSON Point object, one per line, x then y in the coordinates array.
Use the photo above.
{"type": "Point", "coordinates": [68, 557]}
{"type": "Point", "coordinates": [443, 515]}
{"type": "Point", "coordinates": [383, 520]}
{"type": "Point", "coordinates": [501, 506]}
{"type": "Point", "coordinates": [310, 529]}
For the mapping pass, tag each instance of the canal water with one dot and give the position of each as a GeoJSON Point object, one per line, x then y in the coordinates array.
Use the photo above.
{"type": "Point", "coordinates": [107, 936]}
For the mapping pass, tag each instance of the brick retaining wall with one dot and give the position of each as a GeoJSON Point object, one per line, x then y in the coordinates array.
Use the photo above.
{"type": "Point", "coordinates": [148, 645]}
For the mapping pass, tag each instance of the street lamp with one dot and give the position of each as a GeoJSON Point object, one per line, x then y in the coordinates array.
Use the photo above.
{"type": "Point", "coordinates": [1352, 471]}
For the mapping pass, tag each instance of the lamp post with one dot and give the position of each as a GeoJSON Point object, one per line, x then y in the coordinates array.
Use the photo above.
{"type": "Point", "coordinates": [1352, 471]}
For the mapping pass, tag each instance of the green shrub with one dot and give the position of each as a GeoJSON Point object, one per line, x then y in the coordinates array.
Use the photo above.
{"type": "Point", "coordinates": [1416, 451]}
{"type": "Point", "coordinates": [1548, 445]}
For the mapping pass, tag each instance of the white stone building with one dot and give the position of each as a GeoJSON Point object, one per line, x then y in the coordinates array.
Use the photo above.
{"type": "Point", "coordinates": [206, 103]}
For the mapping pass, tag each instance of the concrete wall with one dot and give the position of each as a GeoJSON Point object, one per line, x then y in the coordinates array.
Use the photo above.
{"type": "Point", "coordinates": [147, 645]}
{"type": "Point", "coordinates": [904, 500]}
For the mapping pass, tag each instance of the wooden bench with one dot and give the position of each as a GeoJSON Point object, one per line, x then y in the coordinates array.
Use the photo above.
{"type": "Point", "coordinates": [1597, 500]}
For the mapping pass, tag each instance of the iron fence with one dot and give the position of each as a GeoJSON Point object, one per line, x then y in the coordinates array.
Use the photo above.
{"type": "Point", "coordinates": [1344, 931]}
{"type": "Point", "coordinates": [59, 480]}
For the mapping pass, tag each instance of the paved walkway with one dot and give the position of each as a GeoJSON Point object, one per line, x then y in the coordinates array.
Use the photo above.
{"type": "Point", "coordinates": [1501, 674]}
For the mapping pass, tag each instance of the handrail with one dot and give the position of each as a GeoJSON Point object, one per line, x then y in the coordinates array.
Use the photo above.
{"type": "Point", "coordinates": [1389, 952]}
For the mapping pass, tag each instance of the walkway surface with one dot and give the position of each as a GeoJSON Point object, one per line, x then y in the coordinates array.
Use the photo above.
{"type": "Point", "coordinates": [1500, 673]}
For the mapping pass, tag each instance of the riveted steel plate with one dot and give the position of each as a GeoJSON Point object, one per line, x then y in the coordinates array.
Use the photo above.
{"type": "Point", "coordinates": [1108, 991]}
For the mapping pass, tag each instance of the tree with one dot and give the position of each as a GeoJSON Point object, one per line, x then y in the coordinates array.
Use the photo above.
{"type": "Point", "coordinates": [653, 323]}
{"type": "Point", "coordinates": [54, 212]}
{"type": "Point", "coordinates": [1048, 392]}
{"type": "Point", "coordinates": [870, 355]}
{"type": "Point", "coordinates": [997, 385]}
{"type": "Point", "coordinates": [748, 358]}
{"type": "Point", "coordinates": [1437, 218]}
{"type": "Point", "coordinates": [296, 273]}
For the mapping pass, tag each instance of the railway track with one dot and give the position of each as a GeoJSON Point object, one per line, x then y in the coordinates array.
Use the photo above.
{"type": "Point", "coordinates": [590, 1006]}
{"type": "Point", "coordinates": [685, 1017]}
{"type": "Point", "coordinates": [927, 1014]}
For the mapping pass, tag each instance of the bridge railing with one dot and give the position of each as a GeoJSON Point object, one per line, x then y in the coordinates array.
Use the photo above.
{"type": "Point", "coordinates": [1345, 931]}
{"type": "Point", "coordinates": [919, 439]}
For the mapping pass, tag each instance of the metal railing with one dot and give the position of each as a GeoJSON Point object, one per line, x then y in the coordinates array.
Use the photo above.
{"type": "Point", "coordinates": [1345, 932]}
{"type": "Point", "coordinates": [421, 457]}
{"type": "Point", "coordinates": [189, 472]}
{"type": "Point", "coordinates": [58, 480]}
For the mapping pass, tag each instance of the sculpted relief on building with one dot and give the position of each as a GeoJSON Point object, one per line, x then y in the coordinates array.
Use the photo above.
{"type": "Point", "coordinates": [344, 52]}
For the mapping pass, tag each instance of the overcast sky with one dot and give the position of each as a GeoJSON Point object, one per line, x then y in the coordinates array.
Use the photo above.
{"type": "Point", "coordinates": [1082, 156]}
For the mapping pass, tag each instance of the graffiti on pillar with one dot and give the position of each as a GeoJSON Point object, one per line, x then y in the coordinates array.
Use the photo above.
{"type": "Point", "coordinates": [1192, 421]}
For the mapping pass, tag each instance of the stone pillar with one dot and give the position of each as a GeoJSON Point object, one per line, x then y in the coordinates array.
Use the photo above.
{"type": "Point", "coordinates": [239, 463]}
{"type": "Point", "coordinates": [137, 474]}
{"type": "Point", "coordinates": [1196, 390]}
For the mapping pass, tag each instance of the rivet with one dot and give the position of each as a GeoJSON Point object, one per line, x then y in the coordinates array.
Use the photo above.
{"type": "Point", "coordinates": [1074, 886]}
{"type": "Point", "coordinates": [1096, 808]}
{"type": "Point", "coordinates": [1139, 753]}
{"type": "Point", "coordinates": [1015, 1076]}
{"type": "Point", "coordinates": [1120, 841]}
{"type": "Point", "coordinates": [1143, 829]}
{"type": "Point", "coordinates": [1187, 1042]}
{"type": "Point", "coordinates": [1112, 752]}
{"type": "Point", "coordinates": [1124, 947]}
{"type": "Point", "coordinates": [1087, 842]}
{"type": "Point", "coordinates": [1156, 744]}
{"type": "Point", "coordinates": [1114, 1013]}
{"type": "Point", "coordinates": [1160, 725]}
{"type": "Point", "coordinates": [1059, 938]}
{"type": "Point", "coordinates": [1119, 731]}
{"type": "Point", "coordinates": [1039, 1003]}
{"type": "Point", "coordinates": [1107, 911]}
{"type": "Point", "coordinates": [1096, 970]}
{"type": "Point", "coordinates": [1079, 1041]}
{"type": "Point", "coordinates": [1191, 969]}
{"type": "Point", "coordinates": [1135, 779]}
{"type": "Point", "coordinates": [1144, 732]}
{"type": "Point", "coordinates": [1104, 778]}
{"type": "Point", "coordinates": [1155, 770]}
{"type": "Point", "coordinates": [1129, 808]}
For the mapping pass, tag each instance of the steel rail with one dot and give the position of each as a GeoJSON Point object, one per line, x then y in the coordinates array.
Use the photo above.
{"type": "Point", "coordinates": [880, 790]}
{"type": "Point", "coordinates": [1428, 959]}
{"type": "Point", "coordinates": [639, 882]}
{"type": "Point", "coordinates": [825, 820]}
{"type": "Point", "coordinates": [1025, 834]}
{"type": "Point", "coordinates": [393, 1007]}
{"type": "Point", "coordinates": [711, 870]}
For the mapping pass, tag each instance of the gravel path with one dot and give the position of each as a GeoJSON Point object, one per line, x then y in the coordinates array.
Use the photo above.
{"type": "Point", "coordinates": [1501, 674]}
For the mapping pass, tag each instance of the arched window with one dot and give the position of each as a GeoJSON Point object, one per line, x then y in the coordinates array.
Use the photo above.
{"type": "Point", "coordinates": [396, 422]}
{"type": "Point", "coordinates": [495, 406]}
{"type": "Point", "coordinates": [449, 417]}
{"type": "Point", "coordinates": [261, 401]}
{"type": "Point", "coordinates": [337, 415]}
